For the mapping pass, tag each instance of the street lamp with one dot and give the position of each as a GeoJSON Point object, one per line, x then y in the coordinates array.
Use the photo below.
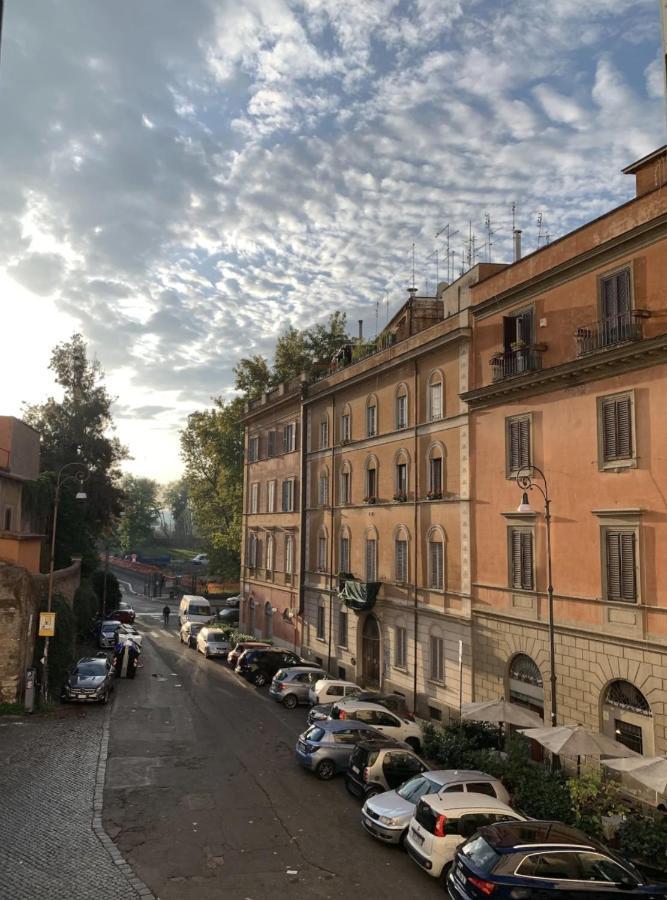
{"type": "Point", "coordinates": [525, 480]}
{"type": "Point", "coordinates": [61, 479]}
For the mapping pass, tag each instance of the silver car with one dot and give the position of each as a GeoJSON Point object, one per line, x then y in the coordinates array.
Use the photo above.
{"type": "Point", "coordinates": [326, 748]}
{"type": "Point", "coordinates": [387, 816]}
{"type": "Point", "coordinates": [108, 632]}
{"type": "Point", "coordinates": [290, 686]}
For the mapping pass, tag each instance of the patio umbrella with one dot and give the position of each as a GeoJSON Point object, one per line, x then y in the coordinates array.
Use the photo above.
{"type": "Point", "coordinates": [650, 771]}
{"type": "Point", "coordinates": [576, 740]}
{"type": "Point", "coordinates": [500, 711]}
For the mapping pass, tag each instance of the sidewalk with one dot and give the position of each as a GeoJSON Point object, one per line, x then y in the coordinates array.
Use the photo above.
{"type": "Point", "coordinates": [51, 841]}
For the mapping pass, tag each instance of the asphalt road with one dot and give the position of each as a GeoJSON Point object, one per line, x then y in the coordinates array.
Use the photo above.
{"type": "Point", "coordinates": [205, 800]}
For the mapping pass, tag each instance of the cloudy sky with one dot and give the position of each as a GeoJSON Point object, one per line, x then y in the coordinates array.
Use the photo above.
{"type": "Point", "coordinates": [182, 180]}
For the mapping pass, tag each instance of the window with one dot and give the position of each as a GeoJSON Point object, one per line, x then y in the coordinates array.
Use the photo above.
{"type": "Point", "coordinates": [621, 565]}
{"type": "Point", "coordinates": [371, 559]}
{"type": "Point", "coordinates": [322, 553]}
{"type": "Point", "coordinates": [288, 495]}
{"type": "Point", "coordinates": [371, 481]}
{"type": "Point", "coordinates": [324, 489]}
{"type": "Point", "coordinates": [342, 628]}
{"type": "Point", "coordinates": [269, 553]}
{"type": "Point", "coordinates": [518, 331]}
{"type": "Point", "coordinates": [254, 498]}
{"type": "Point", "coordinates": [615, 296]}
{"type": "Point", "coordinates": [324, 434]}
{"type": "Point", "coordinates": [518, 444]}
{"type": "Point", "coordinates": [8, 518]}
{"type": "Point", "coordinates": [271, 444]}
{"type": "Point", "coordinates": [596, 867]}
{"type": "Point", "coordinates": [437, 659]}
{"type": "Point", "coordinates": [402, 409]}
{"type": "Point", "coordinates": [345, 486]}
{"type": "Point", "coordinates": [253, 449]}
{"type": "Point", "coordinates": [615, 429]}
{"type": "Point", "coordinates": [402, 479]}
{"type": "Point", "coordinates": [289, 556]}
{"type": "Point", "coordinates": [289, 438]}
{"type": "Point", "coordinates": [629, 735]}
{"type": "Point", "coordinates": [624, 695]}
{"type": "Point", "coordinates": [435, 399]}
{"type": "Point", "coordinates": [371, 419]}
{"type": "Point", "coordinates": [271, 497]}
{"type": "Point", "coordinates": [435, 563]}
{"type": "Point", "coordinates": [556, 866]}
{"type": "Point", "coordinates": [345, 430]}
{"type": "Point", "coordinates": [435, 478]}
{"type": "Point", "coordinates": [258, 553]}
{"type": "Point", "coordinates": [401, 648]}
{"type": "Point", "coordinates": [401, 557]}
{"type": "Point", "coordinates": [481, 787]}
{"type": "Point", "coordinates": [344, 554]}
{"type": "Point", "coordinates": [521, 559]}
{"type": "Point", "coordinates": [320, 623]}
{"type": "Point", "coordinates": [252, 551]}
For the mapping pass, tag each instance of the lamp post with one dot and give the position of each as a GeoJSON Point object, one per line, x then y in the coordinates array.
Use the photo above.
{"type": "Point", "coordinates": [525, 480]}
{"type": "Point", "coordinates": [61, 479]}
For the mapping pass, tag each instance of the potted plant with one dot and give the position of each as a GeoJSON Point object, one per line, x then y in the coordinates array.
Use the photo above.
{"type": "Point", "coordinates": [400, 497]}
{"type": "Point", "coordinates": [434, 495]}
{"type": "Point", "coordinates": [370, 499]}
{"type": "Point", "coordinates": [518, 345]}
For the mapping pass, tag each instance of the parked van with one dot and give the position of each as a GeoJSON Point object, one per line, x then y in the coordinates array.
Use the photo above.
{"type": "Point", "coordinates": [194, 609]}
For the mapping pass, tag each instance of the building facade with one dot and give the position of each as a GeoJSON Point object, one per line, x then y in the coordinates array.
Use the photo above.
{"type": "Point", "coordinates": [19, 464]}
{"type": "Point", "coordinates": [570, 376]}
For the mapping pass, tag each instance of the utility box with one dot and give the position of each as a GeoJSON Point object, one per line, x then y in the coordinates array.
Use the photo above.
{"type": "Point", "coordinates": [29, 696]}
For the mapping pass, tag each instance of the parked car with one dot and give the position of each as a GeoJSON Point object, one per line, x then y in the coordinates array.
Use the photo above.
{"type": "Point", "coordinates": [441, 821]}
{"type": "Point", "coordinates": [231, 602]}
{"type": "Point", "coordinates": [189, 632]}
{"type": "Point", "coordinates": [108, 630]}
{"type": "Point", "coordinates": [381, 718]}
{"type": "Point", "coordinates": [326, 748]}
{"type": "Point", "coordinates": [126, 615]}
{"type": "Point", "coordinates": [395, 702]}
{"type": "Point", "coordinates": [212, 642]}
{"type": "Point", "coordinates": [291, 686]}
{"type": "Point", "coordinates": [193, 608]}
{"type": "Point", "coordinates": [329, 690]}
{"type": "Point", "coordinates": [201, 559]}
{"type": "Point", "coordinates": [229, 616]}
{"type": "Point", "coordinates": [259, 666]}
{"type": "Point", "coordinates": [90, 680]}
{"type": "Point", "coordinates": [241, 647]}
{"type": "Point", "coordinates": [129, 633]}
{"type": "Point", "coordinates": [543, 859]}
{"type": "Point", "coordinates": [375, 768]}
{"type": "Point", "coordinates": [387, 816]}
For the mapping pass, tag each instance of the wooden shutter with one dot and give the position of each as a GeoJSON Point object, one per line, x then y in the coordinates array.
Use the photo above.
{"type": "Point", "coordinates": [525, 327]}
{"type": "Point", "coordinates": [401, 560]}
{"type": "Point", "coordinates": [436, 562]}
{"type": "Point", "coordinates": [617, 428]}
{"type": "Point", "coordinates": [621, 565]}
{"type": "Point", "coordinates": [271, 446]}
{"type": "Point", "coordinates": [524, 443]}
{"type": "Point", "coordinates": [518, 444]}
{"type": "Point", "coordinates": [521, 549]}
{"type": "Point", "coordinates": [371, 573]}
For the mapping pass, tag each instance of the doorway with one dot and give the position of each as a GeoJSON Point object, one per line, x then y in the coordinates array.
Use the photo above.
{"type": "Point", "coordinates": [370, 654]}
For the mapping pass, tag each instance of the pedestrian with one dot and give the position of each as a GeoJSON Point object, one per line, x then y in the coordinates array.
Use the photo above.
{"type": "Point", "coordinates": [166, 612]}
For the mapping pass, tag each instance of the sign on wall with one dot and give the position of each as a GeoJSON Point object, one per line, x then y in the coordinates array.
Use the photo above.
{"type": "Point", "coordinates": [47, 624]}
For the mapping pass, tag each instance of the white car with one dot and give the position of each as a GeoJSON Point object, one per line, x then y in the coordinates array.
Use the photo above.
{"type": "Point", "coordinates": [130, 633]}
{"type": "Point", "coordinates": [443, 821]}
{"type": "Point", "coordinates": [380, 718]}
{"type": "Point", "coordinates": [213, 642]}
{"type": "Point", "coordinates": [201, 559]}
{"type": "Point", "coordinates": [328, 690]}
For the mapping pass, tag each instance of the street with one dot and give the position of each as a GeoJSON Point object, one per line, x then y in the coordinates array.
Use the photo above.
{"type": "Point", "coordinates": [205, 800]}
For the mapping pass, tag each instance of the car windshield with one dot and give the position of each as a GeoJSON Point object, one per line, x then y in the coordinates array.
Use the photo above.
{"type": "Point", "coordinates": [315, 734]}
{"type": "Point", "coordinates": [198, 610]}
{"type": "Point", "coordinates": [413, 789]}
{"type": "Point", "coordinates": [217, 637]}
{"type": "Point", "coordinates": [91, 668]}
{"type": "Point", "coordinates": [481, 853]}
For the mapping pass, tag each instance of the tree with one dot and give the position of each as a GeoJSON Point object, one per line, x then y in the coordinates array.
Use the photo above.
{"type": "Point", "coordinates": [141, 512]}
{"type": "Point", "coordinates": [322, 341]}
{"type": "Point", "coordinates": [291, 356]}
{"type": "Point", "coordinates": [252, 376]}
{"type": "Point", "coordinates": [176, 498]}
{"type": "Point", "coordinates": [77, 429]}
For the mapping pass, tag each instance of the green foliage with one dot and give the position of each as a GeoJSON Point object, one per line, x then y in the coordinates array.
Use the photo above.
{"type": "Point", "coordinates": [61, 645]}
{"type": "Point", "coordinates": [12, 709]}
{"type": "Point", "coordinates": [455, 745]}
{"type": "Point", "coordinates": [291, 356]}
{"type": "Point", "coordinates": [252, 376]}
{"type": "Point", "coordinates": [114, 593]}
{"type": "Point", "coordinates": [86, 607]}
{"type": "Point", "coordinates": [176, 498]}
{"type": "Point", "coordinates": [593, 796]}
{"type": "Point", "coordinates": [644, 838]}
{"type": "Point", "coordinates": [141, 512]}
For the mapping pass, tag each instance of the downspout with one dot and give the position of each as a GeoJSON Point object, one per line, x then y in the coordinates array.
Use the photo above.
{"type": "Point", "coordinates": [416, 533]}
{"type": "Point", "coordinates": [302, 504]}
{"type": "Point", "coordinates": [332, 486]}
{"type": "Point", "coordinates": [244, 530]}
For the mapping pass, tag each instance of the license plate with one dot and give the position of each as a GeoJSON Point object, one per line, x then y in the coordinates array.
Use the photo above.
{"type": "Point", "coordinates": [417, 836]}
{"type": "Point", "coordinates": [459, 876]}
{"type": "Point", "coordinates": [355, 769]}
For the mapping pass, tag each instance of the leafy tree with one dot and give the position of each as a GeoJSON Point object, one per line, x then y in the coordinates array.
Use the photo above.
{"type": "Point", "coordinates": [252, 376]}
{"type": "Point", "coordinates": [176, 498]}
{"type": "Point", "coordinates": [114, 593]}
{"type": "Point", "coordinates": [141, 512]}
{"type": "Point", "coordinates": [77, 429]}
{"type": "Point", "coordinates": [291, 356]}
{"type": "Point", "coordinates": [322, 341]}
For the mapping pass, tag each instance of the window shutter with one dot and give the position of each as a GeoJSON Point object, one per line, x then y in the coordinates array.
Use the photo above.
{"type": "Point", "coordinates": [516, 558]}
{"type": "Point", "coordinates": [624, 427]}
{"type": "Point", "coordinates": [285, 438]}
{"type": "Point", "coordinates": [525, 327]}
{"type": "Point", "coordinates": [610, 450]}
{"type": "Point", "coordinates": [370, 560]}
{"type": "Point", "coordinates": [509, 332]}
{"type": "Point", "coordinates": [514, 446]}
{"type": "Point", "coordinates": [524, 443]}
{"type": "Point", "coordinates": [621, 565]}
{"type": "Point", "coordinates": [613, 565]}
{"type": "Point", "coordinates": [623, 292]}
{"type": "Point", "coordinates": [284, 498]}
{"type": "Point", "coordinates": [527, 561]}
{"type": "Point", "coordinates": [628, 569]}
{"type": "Point", "coordinates": [271, 451]}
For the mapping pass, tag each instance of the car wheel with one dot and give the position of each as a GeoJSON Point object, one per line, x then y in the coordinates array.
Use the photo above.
{"type": "Point", "coordinates": [105, 697]}
{"type": "Point", "coordinates": [260, 679]}
{"type": "Point", "coordinates": [206, 653]}
{"type": "Point", "coordinates": [326, 770]}
{"type": "Point", "coordinates": [445, 873]}
{"type": "Point", "coordinates": [290, 701]}
{"type": "Point", "coordinates": [414, 743]}
{"type": "Point", "coordinates": [372, 792]}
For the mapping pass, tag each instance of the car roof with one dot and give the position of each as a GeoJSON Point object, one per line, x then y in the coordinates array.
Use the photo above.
{"type": "Point", "coordinates": [87, 659]}
{"type": "Point", "coordinates": [111, 622]}
{"type": "Point", "coordinates": [196, 597]}
{"type": "Point", "coordinates": [441, 803]}
{"type": "Point", "coordinates": [509, 836]}
{"type": "Point", "coordinates": [382, 743]}
{"type": "Point", "coordinates": [296, 669]}
{"type": "Point", "coordinates": [362, 704]}
{"type": "Point", "coordinates": [447, 776]}
{"type": "Point", "coordinates": [341, 681]}
{"type": "Point", "coordinates": [343, 725]}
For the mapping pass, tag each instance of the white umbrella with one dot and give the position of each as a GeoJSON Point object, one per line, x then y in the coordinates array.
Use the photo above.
{"type": "Point", "coordinates": [648, 770]}
{"type": "Point", "coordinates": [577, 741]}
{"type": "Point", "coordinates": [500, 711]}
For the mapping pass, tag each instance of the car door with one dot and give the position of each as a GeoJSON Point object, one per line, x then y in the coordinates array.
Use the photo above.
{"type": "Point", "coordinates": [556, 875]}
{"type": "Point", "coordinates": [388, 723]}
{"type": "Point", "coordinates": [399, 766]}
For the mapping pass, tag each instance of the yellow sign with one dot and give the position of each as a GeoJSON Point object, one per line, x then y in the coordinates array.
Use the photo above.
{"type": "Point", "coordinates": [47, 624]}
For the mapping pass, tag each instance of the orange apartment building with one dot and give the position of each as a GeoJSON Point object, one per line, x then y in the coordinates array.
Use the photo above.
{"type": "Point", "coordinates": [271, 548]}
{"type": "Point", "coordinates": [570, 375]}
{"type": "Point", "coordinates": [19, 463]}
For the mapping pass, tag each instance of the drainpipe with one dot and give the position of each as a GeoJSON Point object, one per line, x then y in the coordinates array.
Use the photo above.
{"type": "Point", "coordinates": [416, 535]}
{"type": "Point", "coordinates": [332, 485]}
{"type": "Point", "coordinates": [246, 467]}
{"type": "Point", "coordinates": [302, 504]}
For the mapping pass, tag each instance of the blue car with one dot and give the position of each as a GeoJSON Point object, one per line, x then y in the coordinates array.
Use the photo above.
{"type": "Point", "coordinates": [326, 748]}
{"type": "Point", "coordinates": [543, 860]}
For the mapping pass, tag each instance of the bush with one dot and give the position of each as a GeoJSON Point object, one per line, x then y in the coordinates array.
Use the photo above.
{"type": "Point", "coordinates": [114, 594]}
{"type": "Point", "coordinates": [457, 746]}
{"type": "Point", "coordinates": [86, 607]}
{"type": "Point", "coordinates": [593, 796]}
{"type": "Point", "coordinates": [644, 838]}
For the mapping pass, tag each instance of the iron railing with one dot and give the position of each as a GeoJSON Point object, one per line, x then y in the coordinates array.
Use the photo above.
{"type": "Point", "coordinates": [609, 333]}
{"type": "Point", "coordinates": [515, 362]}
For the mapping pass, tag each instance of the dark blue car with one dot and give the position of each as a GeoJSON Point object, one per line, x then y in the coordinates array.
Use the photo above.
{"type": "Point", "coordinates": [543, 861]}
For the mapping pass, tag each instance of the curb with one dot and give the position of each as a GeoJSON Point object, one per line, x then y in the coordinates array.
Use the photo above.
{"type": "Point", "coordinates": [117, 857]}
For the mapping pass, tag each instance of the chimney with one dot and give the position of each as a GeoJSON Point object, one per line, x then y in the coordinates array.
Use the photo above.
{"type": "Point", "coordinates": [650, 171]}
{"type": "Point", "coordinates": [361, 329]}
{"type": "Point", "coordinates": [517, 244]}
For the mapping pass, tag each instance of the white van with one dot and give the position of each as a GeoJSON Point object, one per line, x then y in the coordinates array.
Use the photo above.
{"type": "Point", "coordinates": [194, 609]}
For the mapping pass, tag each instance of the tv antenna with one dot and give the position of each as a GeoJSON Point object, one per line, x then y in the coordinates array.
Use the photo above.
{"type": "Point", "coordinates": [539, 230]}
{"type": "Point", "coordinates": [489, 234]}
{"type": "Point", "coordinates": [449, 234]}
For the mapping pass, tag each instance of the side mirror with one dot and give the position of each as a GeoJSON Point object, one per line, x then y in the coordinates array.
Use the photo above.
{"type": "Point", "coordinates": [627, 883]}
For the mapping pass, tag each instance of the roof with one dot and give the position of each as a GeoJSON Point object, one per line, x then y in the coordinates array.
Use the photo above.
{"type": "Point", "coordinates": [441, 803]}
{"type": "Point", "coordinates": [510, 835]}
{"type": "Point", "coordinates": [638, 164]}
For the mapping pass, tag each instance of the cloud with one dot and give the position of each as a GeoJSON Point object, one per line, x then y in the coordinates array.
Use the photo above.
{"type": "Point", "coordinates": [41, 273]}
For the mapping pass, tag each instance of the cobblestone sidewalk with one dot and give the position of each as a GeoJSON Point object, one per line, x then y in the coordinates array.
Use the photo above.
{"type": "Point", "coordinates": [48, 846]}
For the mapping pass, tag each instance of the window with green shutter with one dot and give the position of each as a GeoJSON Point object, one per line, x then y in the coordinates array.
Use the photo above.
{"type": "Point", "coordinates": [616, 428]}
{"type": "Point", "coordinates": [621, 561]}
{"type": "Point", "coordinates": [521, 560]}
{"type": "Point", "coordinates": [518, 444]}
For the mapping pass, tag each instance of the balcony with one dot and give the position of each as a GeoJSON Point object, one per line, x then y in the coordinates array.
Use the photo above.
{"type": "Point", "coordinates": [609, 333]}
{"type": "Point", "coordinates": [359, 596]}
{"type": "Point", "coordinates": [515, 362]}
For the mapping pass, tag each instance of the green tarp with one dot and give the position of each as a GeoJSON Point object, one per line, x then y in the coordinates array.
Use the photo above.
{"type": "Point", "coordinates": [359, 595]}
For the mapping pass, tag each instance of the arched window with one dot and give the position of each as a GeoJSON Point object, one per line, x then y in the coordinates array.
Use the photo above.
{"type": "Point", "coordinates": [435, 396]}
{"type": "Point", "coordinates": [346, 483]}
{"type": "Point", "coordinates": [324, 432]}
{"type": "Point", "coordinates": [289, 558]}
{"type": "Point", "coordinates": [526, 687]}
{"type": "Point", "coordinates": [252, 551]}
{"type": "Point", "coordinates": [346, 424]}
{"type": "Point", "coordinates": [436, 560]}
{"type": "Point", "coordinates": [627, 717]}
{"type": "Point", "coordinates": [524, 669]}
{"type": "Point", "coordinates": [323, 490]}
{"type": "Point", "coordinates": [258, 553]}
{"type": "Point", "coordinates": [436, 471]}
{"type": "Point", "coordinates": [269, 553]}
{"type": "Point", "coordinates": [371, 479]}
{"type": "Point", "coordinates": [371, 416]}
{"type": "Point", "coordinates": [624, 695]}
{"type": "Point", "coordinates": [268, 620]}
{"type": "Point", "coordinates": [344, 563]}
{"type": "Point", "coordinates": [401, 406]}
{"type": "Point", "coordinates": [371, 555]}
{"type": "Point", "coordinates": [322, 551]}
{"type": "Point", "coordinates": [401, 468]}
{"type": "Point", "coordinates": [401, 537]}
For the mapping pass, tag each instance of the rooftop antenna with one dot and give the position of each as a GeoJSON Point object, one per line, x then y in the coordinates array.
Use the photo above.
{"type": "Point", "coordinates": [513, 216]}
{"type": "Point", "coordinates": [413, 264]}
{"type": "Point", "coordinates": [447, 231]}
{"type": "Point", "coordinates": [377, 311]}
{"type": "Point", "coordinates": [386, 300]}
{"type": "Point", "coordinates": [489, 235]}
{"type": "Point", "coordinates": [539, 230]}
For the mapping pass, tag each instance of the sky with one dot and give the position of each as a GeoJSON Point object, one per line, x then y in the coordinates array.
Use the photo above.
{"type": "Point", "coordinates": [181, 181]}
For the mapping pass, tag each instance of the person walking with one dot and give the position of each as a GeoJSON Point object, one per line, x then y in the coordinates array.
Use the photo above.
{"type": "Point", "coordinates": [166, 612]}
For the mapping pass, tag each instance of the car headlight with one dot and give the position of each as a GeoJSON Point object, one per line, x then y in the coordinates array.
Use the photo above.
{"type": "Point", "coordinates": [386, 820]}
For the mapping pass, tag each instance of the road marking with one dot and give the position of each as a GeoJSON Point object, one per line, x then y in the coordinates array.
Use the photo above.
{"type": "Point", "coordinates": [129, 587]}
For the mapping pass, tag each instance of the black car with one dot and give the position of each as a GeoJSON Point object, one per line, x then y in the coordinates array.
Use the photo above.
{"type": "Point", "coordinates": [393, 702]}
{"type": "Point", "coordinates": [229, 616]}
{"type": "Point", "coordinates": [90, 680]}
{"type": "Point", "coordinates": [259, 666]}
{"type": "Point", "coordinates": [540, 860]}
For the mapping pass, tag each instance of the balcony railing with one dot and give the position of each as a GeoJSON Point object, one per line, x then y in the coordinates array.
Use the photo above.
{"type": "Point", "coordinates": [609, 333]}
{"type": "Point", "coordinates": [515, 362]}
